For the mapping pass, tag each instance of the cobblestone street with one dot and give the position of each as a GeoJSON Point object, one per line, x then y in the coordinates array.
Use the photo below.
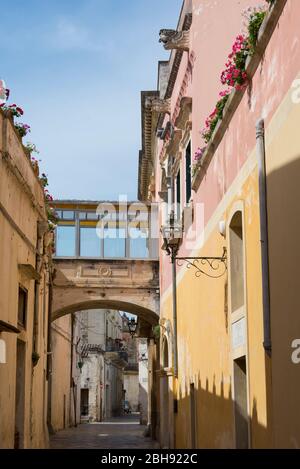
{"type": "Point", "coordinates": [122, 432]}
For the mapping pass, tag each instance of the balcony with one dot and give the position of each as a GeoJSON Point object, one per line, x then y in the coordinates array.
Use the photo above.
{"type": "Point", "coordinates": [115, 352]}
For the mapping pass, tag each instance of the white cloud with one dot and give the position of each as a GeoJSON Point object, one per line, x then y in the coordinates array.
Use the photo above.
{"type": "Point", "coordinates": [68, 35]}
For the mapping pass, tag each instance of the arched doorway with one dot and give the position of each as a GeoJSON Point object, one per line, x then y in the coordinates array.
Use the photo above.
{"type": "Point", "coordinates": [238, 321]}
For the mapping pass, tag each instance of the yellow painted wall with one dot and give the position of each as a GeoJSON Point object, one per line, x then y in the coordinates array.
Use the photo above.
{"type": "Point", "coordinates": [204, 349]}
{"type": "Point", "coordinates": [283, 176]}
{"type": "Point", "coordinates": [204, 342]}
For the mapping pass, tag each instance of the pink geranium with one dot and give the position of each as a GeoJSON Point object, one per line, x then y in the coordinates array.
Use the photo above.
{"type": "Point", "coordinates": [199, 153]}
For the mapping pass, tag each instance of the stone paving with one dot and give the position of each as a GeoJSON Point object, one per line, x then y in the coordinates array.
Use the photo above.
{"type": "Point", "coordinates": [122, 432]}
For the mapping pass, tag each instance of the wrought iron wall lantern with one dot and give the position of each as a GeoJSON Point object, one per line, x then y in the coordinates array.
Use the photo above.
{"type": "Point", "coordinates": [172, 236]}
{"type": "Point", "coordinates": [132, 327]}
{"type": "Point", "coordinates": [213, 267]}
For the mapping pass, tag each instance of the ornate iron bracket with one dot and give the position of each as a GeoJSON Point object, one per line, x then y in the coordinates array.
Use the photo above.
{"type": "Point", "coordinates": [213, 267]}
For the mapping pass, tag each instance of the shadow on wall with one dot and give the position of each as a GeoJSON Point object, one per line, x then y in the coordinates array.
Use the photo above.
{"type": "Point", "coordinates": [143, 405]}
{"type": "Point", "coordinates": [213, 422]}
{"type": "Point", "coordinates": [283, 195]}
{"type": "Point", "coordinates": [207, 419]}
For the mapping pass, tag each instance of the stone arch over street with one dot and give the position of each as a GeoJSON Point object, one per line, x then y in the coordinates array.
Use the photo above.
{"type": "Point", "coordinates": [125, 285]}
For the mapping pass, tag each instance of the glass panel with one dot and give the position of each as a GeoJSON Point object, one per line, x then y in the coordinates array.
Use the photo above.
{"type": "Point", "coordinates": [138, 243]}
{"type": "Point", "coordinates": [68, 215]}
{"type": "Point", "coordinates": [90, 244]}
{"type": "Point", "coordinates": [65, 241]}
{"type": "Point", "coordinates": [114, 242]}
{"type": "Point", "coordinates": [82, 215]}
{"type": "Point", "coordinates": [92, 216]}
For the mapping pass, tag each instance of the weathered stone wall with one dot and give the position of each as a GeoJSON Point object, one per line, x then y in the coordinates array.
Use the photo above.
{"type": "Point", "coordinates": [92, 377]}
{"type": "Point", "coordinates": [143, 380]}
{"type": "Point", "coordinates": [65, 377]}
{"type": "Point", "coordinates": [21, 210]}
{"type": "Point", "coordinates": [131, 386]}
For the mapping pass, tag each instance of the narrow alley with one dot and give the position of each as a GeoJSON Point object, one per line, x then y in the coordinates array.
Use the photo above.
{"type": "Point", "coordinates": [149, 229]}
{"type": "Point", "coordinates": [117, 433]}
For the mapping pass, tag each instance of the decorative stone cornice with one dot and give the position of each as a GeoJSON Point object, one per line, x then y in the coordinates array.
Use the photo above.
{"type": "Point", "coordinates": [160, 106]}
{"type": "Point", "coordinates": [151, 187]}
{"type": "Point", "coordinates": [184, 115]}
{"type": "Point", "coordinates": [175, 61]}
{"type": "Point", "coordinates": [149, 124]}
{"type": "Point", "coordinates": [173, 144]}
{"type": "Point", "coordinates": [173, 39]}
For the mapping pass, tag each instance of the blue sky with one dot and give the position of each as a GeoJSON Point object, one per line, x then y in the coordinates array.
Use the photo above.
{"type": "Point", "coordinates": [77, 68]}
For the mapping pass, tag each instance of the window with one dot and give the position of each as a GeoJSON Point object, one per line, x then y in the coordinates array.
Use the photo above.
{"type": "Point", "coordinates": [68, 215]}
{"type": "Point", "coordinates": [237, 261]}
{"type": "Point", "coordinates": [90, 243]}
{"type": "Point", "coordinates": [92, 216]}
{"type": "Point", "coordinates": [178, 195]}
{"type": "Point", "coordinates": [65, 241]}
{"type": "Point", "coordinates": [188, 174]}
{"type": "Point", "coordinates": [22, 307]}
{"type": "Point", "coordinates": [114, 242]}
{"type": "Point", "coordinates": [138, 243]}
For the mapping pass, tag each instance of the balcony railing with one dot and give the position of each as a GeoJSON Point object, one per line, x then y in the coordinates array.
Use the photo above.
{"type": "Point", "coordinates": [116, 352]}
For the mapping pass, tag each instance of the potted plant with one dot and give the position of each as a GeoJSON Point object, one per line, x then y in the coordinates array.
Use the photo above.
{"type": "Point", "coordinates": [35, 166]}
{"type": "Point", "coordinates": [22, 129]}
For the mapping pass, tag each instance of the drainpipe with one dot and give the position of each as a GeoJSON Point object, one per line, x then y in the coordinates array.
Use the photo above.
{"type": "Point", "coordinates": [174, 301]}
{"type": "Point", "coordinates": [174, 284]}
{"type": "Point", "coordinates": [261, 154]}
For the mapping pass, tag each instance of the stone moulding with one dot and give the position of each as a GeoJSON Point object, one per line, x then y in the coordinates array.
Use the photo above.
{"type": "Point", "coordinates": [17, 229]}
{"type": "Point", "coordinates": [236, 96]}
{"type": "Point", "coordinates": [174, 143]}
{"type": "Point", "coordinates": [160, 106]}
{"type": "Point", "coordinates": [13, 168]}
{"type": "Point", "coordinates": [185, 110]}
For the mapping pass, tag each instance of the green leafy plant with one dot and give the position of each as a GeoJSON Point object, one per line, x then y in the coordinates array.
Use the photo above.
{"type": "Point", "coordinates": [156, 332]}
{"type": "Point", "coordinates": [13, 109]}
{"type": "Point", "coordinates": [22, 129]}
{"type": "Point", "coordinates": [215, 116]}
{"type": "Point", "coordinates": [256, 19]}
{"type": "Point", "coordinates": [31, 148]}
{"type": "Point", "coordinates": [44, 180]}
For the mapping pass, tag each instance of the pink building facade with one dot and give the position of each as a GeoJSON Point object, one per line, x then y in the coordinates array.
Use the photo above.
{"type": "Point", "coordinates": [228, 343]}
